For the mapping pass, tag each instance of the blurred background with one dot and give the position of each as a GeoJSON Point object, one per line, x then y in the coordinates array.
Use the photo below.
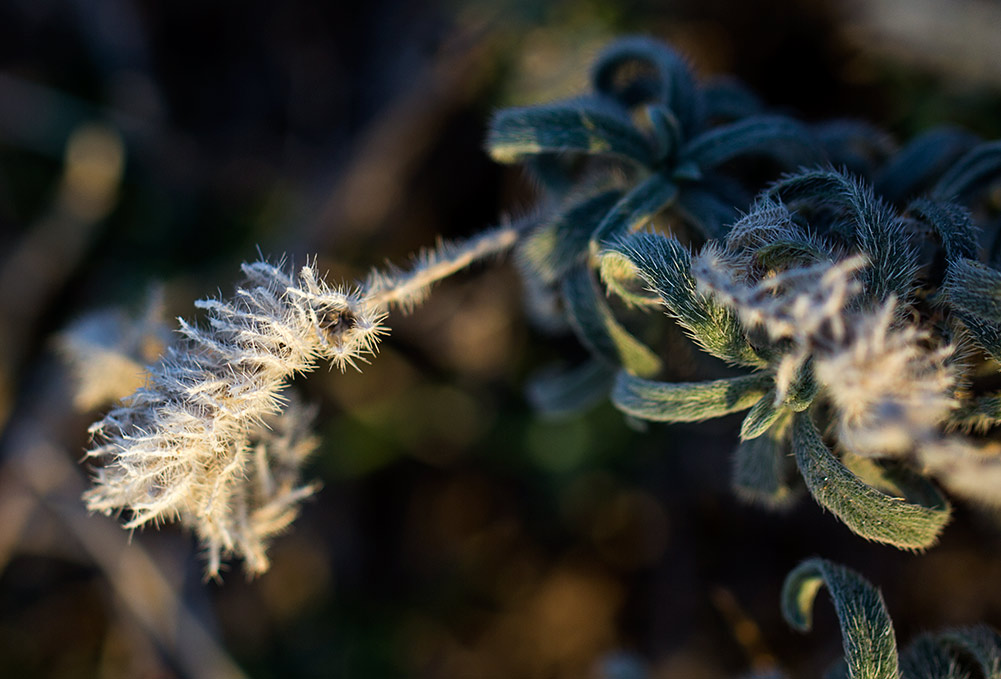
{"type": "Point", "coordinates": [146, 149]}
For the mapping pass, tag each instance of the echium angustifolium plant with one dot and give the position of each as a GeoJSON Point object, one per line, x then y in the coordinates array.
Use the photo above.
{"type": "Point", "coordinates": [851, 286]}
{"type": "Point", "coordinates": [844, 279]}
{"type": "Point", "coordinates": [209, 441]}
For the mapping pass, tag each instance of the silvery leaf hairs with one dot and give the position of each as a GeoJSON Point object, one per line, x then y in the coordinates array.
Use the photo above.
{"type": "Point", "coordinates": [868, 636]}
{"type": "Point", "coordinates": [210, 440]}
{"type": "Point", "coordinates": [855, 298]}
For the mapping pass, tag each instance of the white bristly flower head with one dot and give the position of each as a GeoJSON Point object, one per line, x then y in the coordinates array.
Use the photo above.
{"type": "Point", "coordinates": [193, 443]}
{"type": "Point", "coordinates": [891, 391]}
{"type": "Point", "coordinates": [207, 441]}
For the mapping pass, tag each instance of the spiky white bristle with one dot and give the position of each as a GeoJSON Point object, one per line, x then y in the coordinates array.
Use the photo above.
{"type": "Point", "coordinates": [183, 446]}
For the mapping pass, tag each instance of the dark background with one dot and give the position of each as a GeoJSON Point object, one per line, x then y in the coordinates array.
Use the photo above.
{"type": "Point", "coordinates": [457, 534]}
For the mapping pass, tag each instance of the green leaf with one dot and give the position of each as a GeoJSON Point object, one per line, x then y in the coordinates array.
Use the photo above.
{"type": "Point", "coordinates": [620, 276]}
{"type": "Point", "coordinates": [895, 479]}
{"type": "Point", "coordinates": [865, 510]}
{"type": "Point", "coordinates": [762, 470]}
{"type": "Point", "coordinates": [870, 643]}
{"type": "Point", "coordinates": [981, 644]}
{"type": "Point", "coordinates": [707, 211]}
{"type": "Point", "coordinates": [977, 168]}
{"type": "Point", "coordinates": [783, 139]}
{"type": "Point", "coordinates": [780, 254]}
{"type": "Point", "coordinates": [636, 208]}
{"type": "Point", "coordinates": [762, 415]}
{"type": "Point", "coordinates": [665, 265]}
{"type": "Point", "coordinates": [556, 392]}
{"type": "Point", "coordinates": [727, 99]}
{"type": "Point", "coordinates": [973, 292]}
{"type": "Point", "coordinates": [914, 168]}
{"type": "Point", "coordinates": [637, 70]}
{"type": "Point", "coordinates": [854, 145]}
{"type": "Point", "coordinates": [952, 223]}
{"type": "Point", "coordinates": [879, 233]}
{"type": "Point", "coordinates": [561, 242]}
{"type": "Point", "coordinates": [573, 126]}
{"type": "Point", "coordinates": [926, 658]}
{"type": "Point", "coordinates": [596, 327]}
{"type": "Point", "coordinates": [666, 132]}
{"type": "Point", "coordinates": [687, 401]}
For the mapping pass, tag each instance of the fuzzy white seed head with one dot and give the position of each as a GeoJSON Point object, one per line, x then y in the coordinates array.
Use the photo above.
{"type": "Point", "coordinates": [205, 441]}
{"type": "Point", "coordinates": [210, 440]}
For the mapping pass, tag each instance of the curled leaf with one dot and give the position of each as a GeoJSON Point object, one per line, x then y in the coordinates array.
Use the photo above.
{"type": "Point", "coordinates": [973, 292]}
{"type": "Point", "coordinates": [783, 139]}
{"type": "Point", "coordinates": [914, 168]}
{"type": "Point", "coordinates": [665, 267]}
{"type": "Point", "coordinates": [952, 223]}
{"type": "Point", "coordinates": [878, 232]}
{"type": "Point", "coordinates": [866, 511]}
{"type": "Point", "coordinates": [727, 99]}
{"type": "Point", "coordinates": [762, 415]}
{"type": "Point", "coordinates": [762, 470]}
{"type": "Point", "coordinates": [557, 244]}
{"type": "Point", "coordinates": [866, 629]}
{"type": "Point", "coordinates": [637, 70]}
{"type": "Point", "coordinates": [636, 208]}
{"type": "Point", "coordinates": [687, 401]}
{"type": "Point", "coordinates": [855, 145]}
{"type": "Point", "coordinates": [926, 658]}
{"type": "Point", "coordinates": [981, 644]}
{"type": "Point", "coordinates": [977, 168]}
{"type": "Point", "coordinates": [597, 328]}
{"type": "Point", "coordinates": [580, 126]}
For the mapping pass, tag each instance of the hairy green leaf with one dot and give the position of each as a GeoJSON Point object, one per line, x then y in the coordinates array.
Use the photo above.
{"type": "Point", "coordinates": [879, 233]}
{"type": "Point", "coordinates": [726, 99]}
{"type": "Point", "coordinates": [762, 415]}
{"type": "Point", "coordinates": [620, 276]}
{"type": "Point", "coordinates": [973, 292]}
{"type": "Point", "coordinates": [557, 392]}
{"type": "Point", "coordinates": [596, 327]}
{"type": "Point", "coordinates": [926, 658]}
{"type": "Point", "coordinates": [762, 469]}
{"type": "Point", "coordinates": [981, 644]}
{"type": "Point", "coordinates": [865, 510]}
{"type": "Point", "coordinates": [854, 145]}
{"type": "Point", "coordinates": [707, 211]}
{"type": "Point", "coordinates": [666, 132]}
{"type": "Point", "coordinates": [687, 401]}
{"type": "Point", "coordinates": [866, 629]}
{"type": "Point", "coordinates": [783, 139]}
{"type": "Point", "coordinates": [952, 223]}
{"type": "Point", "coordinates": [639, 70]}
{"type": "Point", "coordinates": [559, 243]}
{"type": "Point", "coordinates": [915, 167]}
{"type": "Point", "coordinates": [665, 266]}
{"type": "Point", "coordinates": [636, 208]}
{"type": "Point", "coordinates": [977, 168]}
{"type": "Point", "coordinates": [580, 126]}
